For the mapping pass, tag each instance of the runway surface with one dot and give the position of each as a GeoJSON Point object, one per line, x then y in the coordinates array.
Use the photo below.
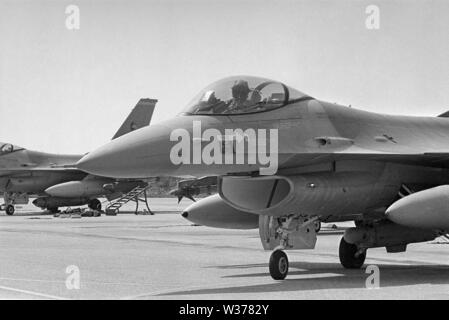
{"type": "Point", "coordinates": [164, 257]}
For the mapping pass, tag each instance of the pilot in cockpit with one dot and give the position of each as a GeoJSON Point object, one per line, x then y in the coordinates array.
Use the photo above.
{"type": "Point", "coordinates": [241, 98]}
{"type": "Point", "coordinates": [240, 92]}
{"type": "Point", "coordinates": [207, 102]}
{"type": "Point", "coordinates": [6, 148]}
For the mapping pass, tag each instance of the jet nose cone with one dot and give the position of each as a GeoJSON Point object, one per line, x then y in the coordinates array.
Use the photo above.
{"type": "Point", "coordinates": [125, 157]}
{"type": "Point", "coordinates": [143, 153]}
{"type": "Point", "coordinates": [185, 214]}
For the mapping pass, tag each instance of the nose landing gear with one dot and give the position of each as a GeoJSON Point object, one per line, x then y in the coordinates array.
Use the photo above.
{"type": "Point", "coordinates": [278, 265]}
{"type": "Point", "coordinates": [290, 232]}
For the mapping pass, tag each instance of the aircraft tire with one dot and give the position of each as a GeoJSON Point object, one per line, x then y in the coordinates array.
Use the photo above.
{"type": "Point", "coordinates": [317, 226]}
{"type": "Point", "coordinates": [278, 265]}
{"type": "Point", "coordinates": [94, 204]}
{"type": "Point", "coordinates": [53, 210]}
{"type": "Point", "coordinates": [347, 253]}
{"type": "Point", "coordinates": [10, 209]}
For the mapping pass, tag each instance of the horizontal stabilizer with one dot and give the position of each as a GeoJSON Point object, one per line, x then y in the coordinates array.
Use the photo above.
{"type": "Point", "coordinates": [139, 117]}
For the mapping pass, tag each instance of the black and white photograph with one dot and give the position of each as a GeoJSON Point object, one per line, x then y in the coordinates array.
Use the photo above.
{"type": "Point", "coordinates": [225, 155]}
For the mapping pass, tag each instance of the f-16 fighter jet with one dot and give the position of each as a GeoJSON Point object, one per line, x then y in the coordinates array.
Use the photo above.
{"type": "Point", "coordinates": [54, 180]}
{"type": "Point", "coordinates": [286, 160]}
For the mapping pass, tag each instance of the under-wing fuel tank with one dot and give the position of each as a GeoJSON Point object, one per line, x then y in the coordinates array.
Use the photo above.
{"type": "Point", "coordinates": [427, 209]}
{"type": "Point", "coordinates": [214, 212]}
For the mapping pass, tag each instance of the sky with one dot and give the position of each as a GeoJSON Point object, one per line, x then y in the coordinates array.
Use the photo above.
{"type": "Point", "coordinates": [68, 90]}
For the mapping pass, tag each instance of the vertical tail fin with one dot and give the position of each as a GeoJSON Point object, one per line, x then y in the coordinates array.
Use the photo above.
{"type": "Point", "coordinates": [444, 115]}
{"type": "Point", "coordinates": [139, 117]}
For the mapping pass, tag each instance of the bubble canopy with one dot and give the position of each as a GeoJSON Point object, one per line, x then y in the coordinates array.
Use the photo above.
{"type": "Point", "coordinates": [242, 95]}
{"type": "Point", "coordinates": [6, 148]}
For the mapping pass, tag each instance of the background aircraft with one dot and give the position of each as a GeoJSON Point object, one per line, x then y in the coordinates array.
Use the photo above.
{"type": "Point", "coordinates": [52, 178]}
{"type": "Point", "coordinates": [387, 173]}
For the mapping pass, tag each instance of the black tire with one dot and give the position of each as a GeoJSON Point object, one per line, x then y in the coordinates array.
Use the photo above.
{"type": "Point", "coordinates": [359, 223]}
{"type": "Point", "coordinates": [347, 253]}
{"type": "Point", "coordinates": [317, 226]}
{"type": "Point", "coordinates": [53, 210]}
{"type": "Point", "coordinates": [278, 265]}
{"type": "Point", "coordinates": [10, 209]}
{"type": "Point", "coordinates": [94, 204]}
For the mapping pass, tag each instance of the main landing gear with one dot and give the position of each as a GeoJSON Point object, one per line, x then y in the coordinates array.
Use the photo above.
{"type": "Point", "coordinates": [94, 204]}
{"type": "Point", "coordinates": [53, 210]}
{"type": "Point", "coordinates": [351, 257]}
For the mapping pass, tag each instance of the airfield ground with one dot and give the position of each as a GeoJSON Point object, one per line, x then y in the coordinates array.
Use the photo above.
{"type": "Point", "coordinates": [165, 257]}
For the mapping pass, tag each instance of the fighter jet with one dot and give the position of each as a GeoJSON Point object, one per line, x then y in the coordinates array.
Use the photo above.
{"type": "Point", "coordinates": [54, 180]}
{"type": "Point", "coordinates": [286, 160]}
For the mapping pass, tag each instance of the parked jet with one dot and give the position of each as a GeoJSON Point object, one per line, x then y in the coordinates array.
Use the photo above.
{"type": "Point", "coordinates": [286, 160]}
{"type": "Point", "coordinates": [25, 173]}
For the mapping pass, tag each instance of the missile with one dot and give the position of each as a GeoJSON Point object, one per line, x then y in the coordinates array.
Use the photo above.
{"type": "Point", "coordinates": [427, 209]}
{"type": "Point", "coordinates": [73, 189]}
{"type": "Point", "coordinates": [214, 212]}
{"type": "Point", "coordinates": [51, 202]}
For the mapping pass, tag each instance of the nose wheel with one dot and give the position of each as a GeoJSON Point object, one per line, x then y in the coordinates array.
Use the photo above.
{"type": "Point", "coordinates": [278, 265]}
{"type": "Point", "coordinates": [10, 210]}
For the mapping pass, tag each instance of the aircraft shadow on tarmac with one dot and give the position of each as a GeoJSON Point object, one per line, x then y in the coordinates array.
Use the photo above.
{"type": "Point", "coordinates": [47, 213]}
{"type": "Point", "coordinates": [319, 276]}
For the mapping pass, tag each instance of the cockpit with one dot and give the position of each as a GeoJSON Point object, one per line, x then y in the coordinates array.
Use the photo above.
{"type": "Point", "coordinates": [242, 95]}
{"type": "Point", "coordinates": [6, 148]}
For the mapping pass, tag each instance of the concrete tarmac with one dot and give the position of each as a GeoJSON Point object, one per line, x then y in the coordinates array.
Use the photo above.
{"type": "Point", "coordinates": [165, 257]}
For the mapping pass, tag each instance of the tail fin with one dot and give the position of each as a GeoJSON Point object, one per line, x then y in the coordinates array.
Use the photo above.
{"type": "Point", "coordinates": [444, 115]}
{"type": "Point", "coordinates": [139, 117]}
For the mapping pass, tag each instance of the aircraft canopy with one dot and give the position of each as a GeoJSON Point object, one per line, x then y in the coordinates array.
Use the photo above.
{"type": "Point", "coordinates": [242, 95]}
{"type": "Point", "coordinates": [6, 148]}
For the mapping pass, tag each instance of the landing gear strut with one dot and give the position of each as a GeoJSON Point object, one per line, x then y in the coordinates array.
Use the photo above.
{"type": "Point", "coordinates": [10, 210]}
{"type": "Point", "coordinates": [278, 265]}
{"type": "Point", "coordinates": [351, 257]}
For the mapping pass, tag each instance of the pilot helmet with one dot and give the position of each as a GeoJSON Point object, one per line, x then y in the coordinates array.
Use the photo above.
{"type": "Point", "coordinates": [240, 89]}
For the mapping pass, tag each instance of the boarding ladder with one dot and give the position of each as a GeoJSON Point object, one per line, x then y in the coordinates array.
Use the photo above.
{"type": "Point", "coordinates": [133, 195]}
{"type": "Point", "coordinates": [404, 191]}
